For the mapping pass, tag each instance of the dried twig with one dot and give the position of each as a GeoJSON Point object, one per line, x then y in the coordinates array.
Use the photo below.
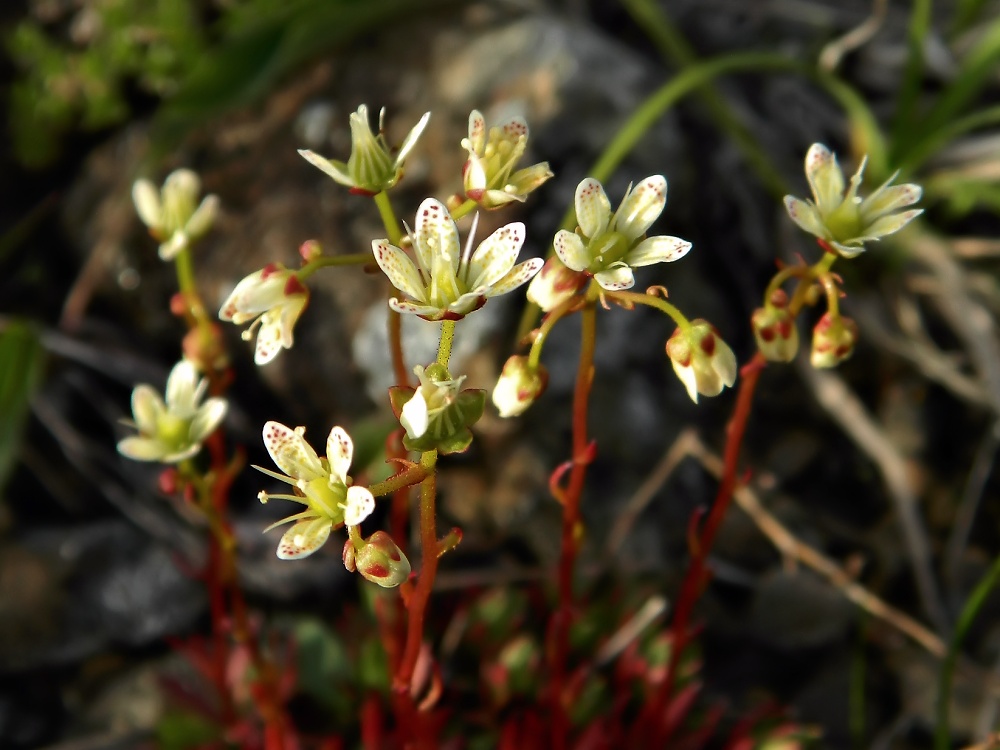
{"type": "Point", "coordinates": [791, 546]}
{"type": "Point", "coordinates": [848, 411]}
{"type": "Point", "coordinates": [834, 52]}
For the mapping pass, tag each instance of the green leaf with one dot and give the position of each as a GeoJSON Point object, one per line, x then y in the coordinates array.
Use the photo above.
{"type": "Point", "coordinates": [21, 360]}
{"type": "Point", "coordinates": [323, 667]}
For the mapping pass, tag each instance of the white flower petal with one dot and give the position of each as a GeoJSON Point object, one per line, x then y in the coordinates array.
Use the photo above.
{"type": "Point", "coordinates": [887, 199]}
{"type": "Point", "coordinates": [495, 256]}
{"type": "Point", "coordinates": [474, 179]}
{"type": "Point", "coordinates": [358, 506]}
{"type": "Point", "coordinates": [172, 247]}
{"type": "Point", "coordinates": [268, 340]}
{"type": "Point", "coordinates": [290, 451]}
{"type": "Point", "coordinates": [436, 237]}
{"type": "Point", "coordinates": [593, 209]}
{"type": "Point", "coordinates": [806, 216]}
{"type": "Point", "coordinates": [203, 217]}
{"type": "Point", "coordinates": [147, 203]}
{"type": "Point", "coordinates": [688, 379]}
{"type": "Point", "coordinates": [336, 169]}
{"type": "Point", "coordinates": [641, 207]}
{"type": "Point", "coordinates": [142, 449]}
{"type": "Point", "coordinates": [519, 274]}
{"type": "Point", "coordinates": [825, 177]}
{"type": "Point", "coordinates": [659, 249]}
{"type": "Point", "coordinates": [411, 308]}
{"type": "Point", "coordinates": [183, 387]}
{"type": "Point", "coordinates": [147, 407]}
{"type": "Point", "coordinates": [616, 278]}
{"type": "Point", "coordinates": [571, 250]}
{"type": "Point", "coordinates": [848, 251]}
{"type": "Point", "coordinates": [397, 265]}
{"type": "Point", "coordinates": [477, 133]}
{"type": "Point", "coordinates": [414, 416]}
{"type": "Point", "coordinates": [889, 224]}
{"type": "Point", "coordinates": [304, 538]}
{"type": "Point", "coordinates": [411, 138]}
{"type": "Point", "coordinates": [339, 451]}
{"type": "Point", "coordinates": [208, 417]}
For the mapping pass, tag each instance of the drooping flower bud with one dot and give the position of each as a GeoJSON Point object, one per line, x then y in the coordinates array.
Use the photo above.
{"type": "Point", "coordinates": [518, 387]}
{"type": "Point", "coordinates": [833, 340]}
{"type": "Point", "coordinates": [774, 329]}
{"type": "Point", "coordinates": [379, 560]}
{"type": "Point", "coordinates": [554, 284]}
{"type": "Point", "coordinates": [701, 359]}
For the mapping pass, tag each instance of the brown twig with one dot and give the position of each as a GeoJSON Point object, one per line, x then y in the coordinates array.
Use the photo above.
{"type": "Point", "coordinates": [847, 410]}
{"type": "Point", "coordinates": [794, 548]}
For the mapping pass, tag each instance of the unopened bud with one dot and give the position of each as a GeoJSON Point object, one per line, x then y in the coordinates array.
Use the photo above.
{"type": "Point", "coordinates": [833, 340]}
{"type": "Point", "coordinates": [775, 332]}
{"type": "Point", "coordinates": [310, 250]}
{"type": "Point", "coordinates": [379, 560]}
{"type": "Point", "coordinates": [518, 387]}
{"type": "Point", "coordinates": [554, 284]}
{"type": "Point", "coordinates": [701, 359]}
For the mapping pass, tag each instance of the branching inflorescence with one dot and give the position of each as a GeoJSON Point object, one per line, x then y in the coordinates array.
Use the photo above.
{"type": "Point", "coordinates": [442, 282]}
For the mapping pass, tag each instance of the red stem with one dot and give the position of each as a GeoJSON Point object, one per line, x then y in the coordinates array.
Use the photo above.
{"type": "Point", "coordinates": [562, 618]}
{"type": "Point", "coordinates": [425, 583]}
{"type": "Point", "coordinates": [697, 574]}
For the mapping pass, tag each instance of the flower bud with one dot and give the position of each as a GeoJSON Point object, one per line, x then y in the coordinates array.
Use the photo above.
{"type": "Point", "coordinates": [833, 340]}
{"type": "Point", "coordinates": [554, 284]}
{"type": "Point", "coordinates": [774, 329]}
{"type": "Point", "coordinates": [437, 414]}
{"type": "Point", "coordinates": [701, 359]}
{"type": "Point", "coordinates": [379, 560]}
{"type": "Point", "coordinates": [518, 387]}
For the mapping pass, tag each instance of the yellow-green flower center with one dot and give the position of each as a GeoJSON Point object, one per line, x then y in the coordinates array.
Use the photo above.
{"type": "Point", "coordinates": [173, 431]}
{"type": "Point", "coordinates": [606, 249]}
{"type": "Point", "coordinates": [844, 222]}
{"type": "Point", "coordinates": [326, 499]}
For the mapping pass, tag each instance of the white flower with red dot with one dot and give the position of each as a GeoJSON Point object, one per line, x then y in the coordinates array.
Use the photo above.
{"type": "Point", "coordinates": [322, 486]}
{"type": "Point", "coordinates": [608, 246]}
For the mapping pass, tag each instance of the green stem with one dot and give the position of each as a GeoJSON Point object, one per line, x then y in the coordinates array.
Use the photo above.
{"type": "Point", "coordinates": [975, 603]}
{"type": "Point", "coordinates": [388, 218]}
{"type": "Point", "coordinates": [324, 261]}
{"type": "Point", "coordinates": [185, 273]}
{"type": "Point", "coordinates": [445, 343]}
{"type": "Point", "coordinates": [413, 475]}
{"type": "Point", "coordinates": [651, 300]}
{"type": "Point", "coordinates": [464, 209]}
{"type": "Point", "coordinates": [557, 314]}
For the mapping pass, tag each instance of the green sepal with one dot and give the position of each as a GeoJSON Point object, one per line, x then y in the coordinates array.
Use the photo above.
{"type": "Point", "coordinates": [449, 430]}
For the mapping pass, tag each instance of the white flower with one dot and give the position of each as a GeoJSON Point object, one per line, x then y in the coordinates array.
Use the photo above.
{"type": "Point", "coordinates": [321, 485]}
{"type": "Point", "coordinates": [843, 220]}
{"type": "Point", "coordinates": [701, 359]}
{"type": "Point", "coordinates": [173, 431]}
{"type": "Point", "coordinates": [171, 213]}
{"type": "Point", "coordinates": [488, 175]}
{"type": "Point", "coordinates": [447, 283]}
{"type": "Point", "coordinates": [372, 167]}
{"type": "Point", "coordinates": [609, 246]}
{"type": "Point", "coordinates": [273, 298]}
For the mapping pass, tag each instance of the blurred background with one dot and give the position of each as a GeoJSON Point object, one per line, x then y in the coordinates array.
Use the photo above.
{"type": "Point", "coordinates": [884, 465]}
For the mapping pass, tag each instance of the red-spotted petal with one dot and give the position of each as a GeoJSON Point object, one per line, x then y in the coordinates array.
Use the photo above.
{"type": "Point", "coordinates": [304, 538]}
{"type": "Point", "coordinates": [496, 255]}
{"type": "Point", "coordinates": [339, 450]}
{"type": "Point", "coordinates": [593, 209]}
{"type": "Point", "coordinates": [641, 207]}
{"type": "Point", "coordinates": [290, 451]}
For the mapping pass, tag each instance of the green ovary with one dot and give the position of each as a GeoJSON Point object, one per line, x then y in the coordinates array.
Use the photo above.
{"type": "Point", "coordinates": [844, 222]}
{"type": "Point", "coordinates": [326, 499]}
{"type": "Point", "coordinates": [606, 249]}
{"type": "Point", "coordinates": [173, 431]}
